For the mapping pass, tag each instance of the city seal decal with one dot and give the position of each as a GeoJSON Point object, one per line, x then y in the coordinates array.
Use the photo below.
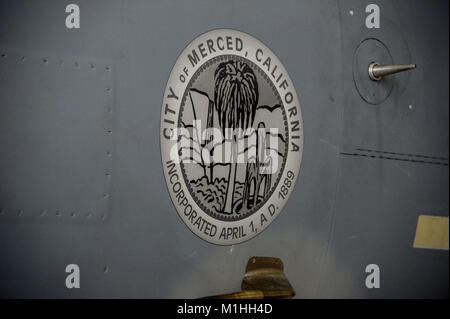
{"type": "Point", "coordinates": [231, 136]}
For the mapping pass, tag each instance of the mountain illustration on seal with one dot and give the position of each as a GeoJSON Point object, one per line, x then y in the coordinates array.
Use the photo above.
{"type": "Point", "coordinates": [231, 147]}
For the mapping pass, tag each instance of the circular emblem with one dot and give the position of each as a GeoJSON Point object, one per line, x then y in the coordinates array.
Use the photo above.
{"type": "Point", "coordinates": [231, 136]}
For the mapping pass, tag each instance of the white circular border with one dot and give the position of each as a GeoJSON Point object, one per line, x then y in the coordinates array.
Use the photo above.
{"type": "Point", "coordinates": [293, 162]}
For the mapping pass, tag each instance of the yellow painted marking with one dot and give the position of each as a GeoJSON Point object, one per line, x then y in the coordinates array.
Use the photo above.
{"type": "Point", "coordinates": [431, 232]}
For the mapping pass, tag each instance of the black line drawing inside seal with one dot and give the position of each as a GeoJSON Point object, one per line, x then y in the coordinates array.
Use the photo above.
{"type": "Point", "coordinates": [231, 93]}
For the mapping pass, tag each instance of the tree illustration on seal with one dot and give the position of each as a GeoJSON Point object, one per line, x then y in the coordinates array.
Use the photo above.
{"type": "Point", "coordinates": [232, 164]}
{"type": "Point", "coordinates": [235, 100]}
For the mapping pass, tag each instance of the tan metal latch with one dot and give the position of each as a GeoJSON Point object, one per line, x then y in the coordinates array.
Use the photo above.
{"type": "Point", "coordinates": [264, 278]}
